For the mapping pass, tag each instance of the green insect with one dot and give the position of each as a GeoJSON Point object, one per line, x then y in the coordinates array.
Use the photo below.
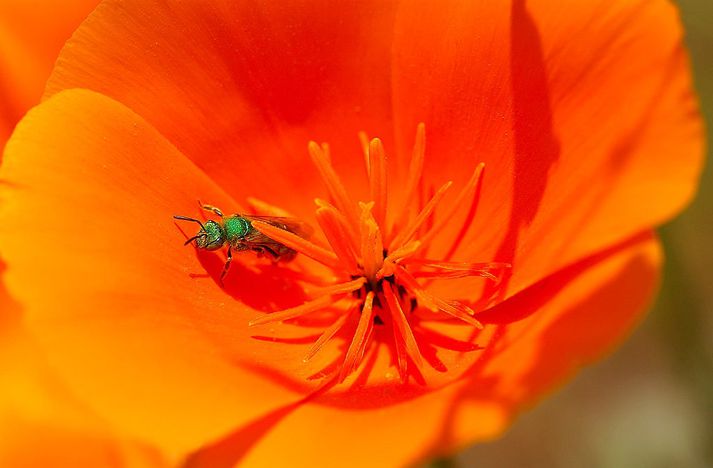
{"type": "Point", "coordinates": [237, 231]}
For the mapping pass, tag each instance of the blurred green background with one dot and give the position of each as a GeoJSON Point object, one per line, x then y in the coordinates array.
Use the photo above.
{"type": "Point", "coordinates": [650, 405]}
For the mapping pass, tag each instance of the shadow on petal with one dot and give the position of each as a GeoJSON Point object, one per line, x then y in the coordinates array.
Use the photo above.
{"type": "Point", "coordinates": [228, 451]}
{"type": "Point", "coordinates": [529, 301]}
{"type": "Point", "coordinates": [536, 147]}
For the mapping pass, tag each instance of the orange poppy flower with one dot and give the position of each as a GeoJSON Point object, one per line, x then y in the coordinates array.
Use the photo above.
{"type": "Point", "coordinates": [411, 323]}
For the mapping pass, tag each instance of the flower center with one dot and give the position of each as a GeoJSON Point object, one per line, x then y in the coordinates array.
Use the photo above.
{"type": "Point", "coordinates": [377, 288]}
{"type": "Point", "coordinates": [378, 259]}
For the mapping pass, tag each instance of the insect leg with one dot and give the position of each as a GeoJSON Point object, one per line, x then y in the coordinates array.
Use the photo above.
{"type": "Point", "coordinates": [211, 208]}
{"type": "Point", "coordinates": [226, 266]}
{"type": "Point", "coordinates": [274, 256]}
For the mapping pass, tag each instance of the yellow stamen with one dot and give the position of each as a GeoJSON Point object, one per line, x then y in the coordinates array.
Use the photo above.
{"type": "Point", "coordinates": [377, 180]}
{"type": "Point", "coordinates": [264, 208]}
{"type": "Point", "coordinates": [396, 256]}
{"type": "Point", "coordinates": [372, 247]}
{"type": "Point", "coordinates": [326, 336]}
{"type": "Point", "coordinates": [470, 214]}
{"type": "Point", "coordinates": [367, 340]}
{"type": "Point", "coordinates": [453, 308]}
{"type": "Point", "coordinates": [404, 251]}
{"type": "Point", "coordinates": [326, 152]}
{"type": "Point", "coordinates": [458, 310]}
{"type": "Point", "coordinates": [401, 356]}
{"type": "Point", "coordinates": [338, 238]}
{"type": "Point", "coordinates": [401, 323]}
{"type": "Point", "coordinates": [339, 288]}
{"type": "Point", "coordinates": [306, 308]}
{"type": "Point", "coordinates": [453, 270]}
{"type": "Point", "coordinates": [364, 140]}
{"type": "Point", "coordinates": [351, 360]}
{"type": "Point", "coordinates": [349, 228]}
{"type": "Point", "coordinates": [334, 184]}
{"type": "Point", "coordinates": [405, 235]}
{"type": "Point", "coordinates": [469, 189]}
{"type": "Point", "coordinates": [297, 243]}
{"type": "Point", "coordinates": [428, 223]}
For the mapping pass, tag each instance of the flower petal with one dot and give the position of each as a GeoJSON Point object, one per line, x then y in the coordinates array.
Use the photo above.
{"type": "Point", "coordinates": [241, 87]}
{"type": "Point", "coordinates": [582, 112]}
{"type": "Point", "coordinates": [42, 425]}
{"type": "Point", "coordinates": [317, 434]}
{"type": "Point", "coordinates": [36, 410]}
{"type": "Point", "coordinates": [579, 320]}
{"type": "Point", "coordinates": [31, 35]}
{"type": "Point", "coordinates": [96, 261]}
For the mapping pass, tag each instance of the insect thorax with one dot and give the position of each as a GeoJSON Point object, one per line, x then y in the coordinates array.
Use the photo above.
{"type": "Point", "coordinates": [236, 228]}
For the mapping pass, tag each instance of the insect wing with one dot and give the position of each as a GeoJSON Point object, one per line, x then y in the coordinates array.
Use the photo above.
{"type": "Point", "coordinates": [259, 242]}
{"type": "Point", "coordinates": [293, 225]}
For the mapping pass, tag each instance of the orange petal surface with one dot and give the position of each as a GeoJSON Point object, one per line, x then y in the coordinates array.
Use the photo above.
{"type": "Point", "coordinates": [583, 113]}
{"type": "Point", "coordinates": [120, 316]}
{"type": "Point", "coordinates": [31, 35]}
{"type": "Point", "coordinates": [218, 100]}
{"type": "Point", "coordinates": [240, 87]}
{"type": "Point", "coordinates": [523, 361]}
{"type": "Point", "coordinates": [41, 422]}
{"type": "Point", "coordinates": [535, 93]}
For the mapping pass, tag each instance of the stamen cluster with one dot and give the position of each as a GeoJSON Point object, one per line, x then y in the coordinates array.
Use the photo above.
{"type": "Point", "coordinates": [379, 261]}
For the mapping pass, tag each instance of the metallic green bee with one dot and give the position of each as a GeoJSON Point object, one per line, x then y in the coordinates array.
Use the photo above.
{"type": "Point", "coordinates": [237, 232]}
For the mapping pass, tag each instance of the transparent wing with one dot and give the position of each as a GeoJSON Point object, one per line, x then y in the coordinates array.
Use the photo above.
{"type": "Point", "coordinates": [256, 241]}
{"type": "Point", "coordinates": [293, 225]}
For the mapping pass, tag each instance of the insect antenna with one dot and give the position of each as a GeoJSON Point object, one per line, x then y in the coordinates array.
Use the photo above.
{"type": "Point", "coordinates": [193, 238]}
{"type": "Point", "coordinates": [186, 218]}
